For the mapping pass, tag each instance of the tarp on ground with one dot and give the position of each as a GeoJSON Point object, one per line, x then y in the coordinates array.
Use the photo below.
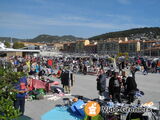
{"type": "Point", "coordinates": [60, 113]}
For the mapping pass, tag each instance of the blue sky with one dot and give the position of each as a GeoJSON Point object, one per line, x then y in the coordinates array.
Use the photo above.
{"type": "Point", "coordinates": [82, 18]}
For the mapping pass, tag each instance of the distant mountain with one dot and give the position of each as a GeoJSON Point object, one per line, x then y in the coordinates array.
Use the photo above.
{"type": "Point", "coordinates": [8, 39]}
{"type": "Point", "coordinates": [50, 39]}
{"type": "Point", "coordinates": [137, 33]}
{"type": "Point", "coordinates": [44, 38]}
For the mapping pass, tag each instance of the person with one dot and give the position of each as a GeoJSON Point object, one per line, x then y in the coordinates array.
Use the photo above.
{"type": "Point", "coordinates": [20, 68]}
{"type": "Point", "coordinates": [101, 83]}
{"type": "Point", "coordinates": [41, 73]}
{"type": "Point", "coordinates": [32, 72]}
{"type": "Point", "coordinates": [85, 70]}
{"type": "Point", "coordinates": [21, 89]}
{"type": "Point", "coordinates": [131, 87]}
{"type": "Point", "coordinates": [120, 67]}
{"type": "Point", "coordinates": [145, 67]}
{"type": "Point", "coordinates": [133, 70]}
{"type": "Point", "coordinates": [50, 62]}
{"type": "Point", "coordinates": [59, 73]}
{"type": "Point", "coordinates": [115, 88]}
{"type": "Point", "coordinates": [153, 67]}
{"type": "Point", "coordinates": [108, 73]}
{"type": "Point", "coordinates": [67, 80]}
{"type": "Point", "coordinates": [158, 66]}
{"type": "Point", "coordinates": [123, 78]}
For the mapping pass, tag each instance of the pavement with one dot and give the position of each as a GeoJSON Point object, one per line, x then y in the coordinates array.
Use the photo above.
{"type": "Point", "coordinates": [85, 85]}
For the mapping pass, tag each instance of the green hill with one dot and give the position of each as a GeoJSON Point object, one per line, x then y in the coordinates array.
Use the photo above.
{"type": "Point", "coordinates": [44, 38]}
{"type": "Point", "coordinates": [140, 33]}
{"type": "Point", "coordinates": [149, 33]}
{"type": "Point", "coordinates": [49, 38]}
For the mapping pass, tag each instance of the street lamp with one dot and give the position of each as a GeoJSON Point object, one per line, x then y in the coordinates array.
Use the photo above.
{"type": "Point", "coordinates": [153, 44]}
{"type": "Point", "coordinates": [120, 41]}
{"type": "Point", "coordinates": [143, 46]}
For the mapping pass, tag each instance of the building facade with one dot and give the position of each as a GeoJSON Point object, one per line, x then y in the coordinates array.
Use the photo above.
{"type": "Point", "coordinates": [107, 47]}
{"type": "Point", "coordinates": [114, 46]}
{"type": "Point", "coordinates": [91, 49]}
{"type": "Point", "coordinates": [80, 45]}
{"type": "Point", "coordinates": [130, 47]}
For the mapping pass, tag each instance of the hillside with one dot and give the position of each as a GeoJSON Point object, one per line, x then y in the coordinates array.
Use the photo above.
{"type": "Point", "coordinates": [140, 33]}
{"type": "Point", "coordinates": [137, 33]}
{"type": "Point", "coordinates": [50, 39]}
{"type": "Point", "coordinates": [44, 39]}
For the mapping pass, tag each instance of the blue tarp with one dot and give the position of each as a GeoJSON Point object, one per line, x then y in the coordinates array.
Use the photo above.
{"type": "Point", "coordinates": [60, 113]}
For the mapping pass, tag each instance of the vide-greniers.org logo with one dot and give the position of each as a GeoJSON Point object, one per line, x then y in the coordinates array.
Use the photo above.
{"type": "Point", "coordinates": [106, 109]}
{"type": "Point", "coordinates": [92, 108]}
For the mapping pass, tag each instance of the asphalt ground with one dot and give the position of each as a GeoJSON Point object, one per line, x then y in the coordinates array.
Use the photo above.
{"type": "Point", "coordinates": [85, 85]}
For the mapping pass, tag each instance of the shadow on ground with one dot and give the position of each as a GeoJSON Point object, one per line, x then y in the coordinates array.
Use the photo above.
{"type": "Point", "coordinates": [24, 118]}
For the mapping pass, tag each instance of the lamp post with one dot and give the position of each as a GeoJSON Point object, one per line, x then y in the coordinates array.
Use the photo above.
{"type": "Point", "coordinates": [153, 44]}
{"type": "Point", "coordinates": [120, 41]}
{"type": "Point", "coordinates": [143, 46]}
{"type": "Point", "coordinates": [138, 47]}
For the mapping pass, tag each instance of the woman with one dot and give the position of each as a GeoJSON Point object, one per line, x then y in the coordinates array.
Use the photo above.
{"type": "Point", "coordinates": [101, 83]}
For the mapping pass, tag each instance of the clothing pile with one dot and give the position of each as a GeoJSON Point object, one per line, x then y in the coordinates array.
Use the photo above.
{"type": "Point", "coordinates": [36, 94]}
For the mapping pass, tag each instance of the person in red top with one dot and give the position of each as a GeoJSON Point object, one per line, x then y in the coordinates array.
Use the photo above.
{"type": "Point", "coordinates": [50, 62]}
{"type": "Point", "coordinates": [59, 73]}
{"type": "Point", "coordinates": [158, 66]}
{"type": "Point", "coordinates": [139, 61]}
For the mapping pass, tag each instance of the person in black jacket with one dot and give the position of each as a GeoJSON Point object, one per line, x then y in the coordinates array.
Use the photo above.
{"type": "Point", "coordinates": [101, 83]}
{"type": "Point", "coordinates": [131, 87]}
{"type": "Point", "coordinates": [115, 88]}
{"type": "Point", "coordinates": [85, 70]}
{"type": "Point", "coordinates": [67, 80]}
{"type": "Point", "coordinates": [32, 72]}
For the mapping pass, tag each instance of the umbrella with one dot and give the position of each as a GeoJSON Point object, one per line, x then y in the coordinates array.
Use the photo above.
{"type": "Point", "coordinates": [122, 58]}
{"type": "Point", "coordinates": [156, 59]}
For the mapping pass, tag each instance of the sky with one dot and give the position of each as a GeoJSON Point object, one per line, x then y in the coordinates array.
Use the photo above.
{"type": "Point", "coordinates": [82, 18]}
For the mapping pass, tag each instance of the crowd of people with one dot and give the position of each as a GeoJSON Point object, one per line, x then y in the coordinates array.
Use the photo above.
{"type": "Point", "coordinates": [118, 84]}
{"type": "Point", "coordinates": [110, 68]}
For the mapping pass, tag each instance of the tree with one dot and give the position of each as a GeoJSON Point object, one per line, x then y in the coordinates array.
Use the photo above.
{"type": "Point", "coordinates": [7, 44]}
{"type": "Point", "coordinates": [18, 45]}
{"type": "Point", "coordinates": [8, 79]}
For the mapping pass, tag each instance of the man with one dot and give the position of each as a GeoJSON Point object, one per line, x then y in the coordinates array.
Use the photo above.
{"type": "Point", "coordinates": [145, 67]}
{"type": "Point", "coordinates": [85, 70]}
{"type": "Point", "coordinates": [131, 87]}
{"type": "Point", "coordinates": [120, 67]}
{"type": "Point", "coordinates": [21, 89]}
{"type": "Point", "coordinates": [153, 67]}
{"type": "Point", "coordinates": [101, 83]}
{"type": "Point", "coordinates": [115, 87]}
{"type": "Point", "coordinates": [133, 70]}
{"type": "Point", "coordinates": [67, 80]}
